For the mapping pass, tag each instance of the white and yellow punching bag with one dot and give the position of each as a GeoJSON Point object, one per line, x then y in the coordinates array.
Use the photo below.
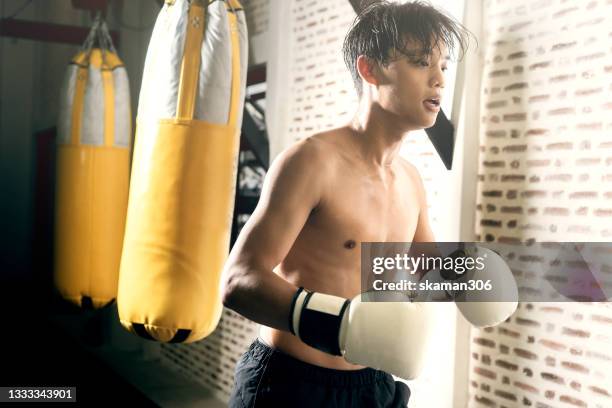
{"type": "Point", "coordinates": [184, 171]}
{"type": "Point", "coordinates": [93, 155]}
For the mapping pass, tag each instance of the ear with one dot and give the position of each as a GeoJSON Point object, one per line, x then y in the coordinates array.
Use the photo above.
{"type": "Point", "coordinates": [367, 69]}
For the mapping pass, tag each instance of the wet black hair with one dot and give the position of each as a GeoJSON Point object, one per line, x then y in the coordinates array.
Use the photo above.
{"type": "Point", "coordinates": [383, 29]}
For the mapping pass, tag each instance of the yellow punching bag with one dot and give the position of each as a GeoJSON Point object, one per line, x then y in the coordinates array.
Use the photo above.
{"type": "Point", "coordinates": [184, 171]}
{"type": "Point", "coordinates": [93, 154]}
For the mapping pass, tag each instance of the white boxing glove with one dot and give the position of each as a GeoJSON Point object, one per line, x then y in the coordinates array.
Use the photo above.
{"type": "Point", "coordinates": [389, 336]}
{"type": "Point", "coordinates": [489, 295]}
{"type": "Point", "coordinates": [484, 308]}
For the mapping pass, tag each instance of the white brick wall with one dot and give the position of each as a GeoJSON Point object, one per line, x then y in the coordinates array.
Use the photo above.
{"type": "Point", "coordinates": [320, 87]}
{"type": "Point", "coordinates": [545, 174]}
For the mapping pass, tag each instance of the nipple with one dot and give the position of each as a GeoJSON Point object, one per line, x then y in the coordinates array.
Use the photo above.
{"type": "Point", "coordinates": [350, 244]}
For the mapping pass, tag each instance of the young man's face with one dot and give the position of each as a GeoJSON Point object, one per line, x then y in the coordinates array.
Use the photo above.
{"type": "Point", "coordinates": [411, 88]}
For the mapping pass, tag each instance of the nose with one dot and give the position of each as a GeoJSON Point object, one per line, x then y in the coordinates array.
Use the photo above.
{"type": "Point", "coordinates": [437, 78]}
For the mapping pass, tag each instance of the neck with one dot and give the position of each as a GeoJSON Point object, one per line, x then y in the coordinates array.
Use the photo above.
{"type": "Point", "coordinates": [378, 134]}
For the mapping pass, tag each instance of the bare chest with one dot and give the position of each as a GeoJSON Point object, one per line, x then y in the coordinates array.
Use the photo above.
{"type": "Point", "coordinates": [363, 210]}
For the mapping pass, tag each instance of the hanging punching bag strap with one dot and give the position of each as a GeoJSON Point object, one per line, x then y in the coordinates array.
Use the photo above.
{"type": "Point", "coordinates": [232, 8]}
{"type": "Point", "coordinates": [89, 43]}
{"type": "Point", "coordinates": [77, 104]}
{"type": "Point", "coordinates": [108, 86]}
{"type": "Point", "coordinates": [82, 76]}
{"type": "Point", "coordinates": [190, 66]}
{"type": "Point", "coordinates": [109, 106]}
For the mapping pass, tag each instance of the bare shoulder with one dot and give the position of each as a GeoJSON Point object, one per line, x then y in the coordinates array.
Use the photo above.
{"type": "Point", "coordinates": [415, 178]}
{"type": "Point", "coordinates": [307, 155]}
{"type": "Point", "coordinates": [302, 171]}
{"type": "Point", "coordinates": [316, 152]}
{"type": "Point", "coordinates": [330, 141]}
{"type": "Point", "coordinates": [411, 170]}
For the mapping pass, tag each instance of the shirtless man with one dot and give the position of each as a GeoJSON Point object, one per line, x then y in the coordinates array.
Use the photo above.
{"type": "Point", "coordinates": [325, 195]}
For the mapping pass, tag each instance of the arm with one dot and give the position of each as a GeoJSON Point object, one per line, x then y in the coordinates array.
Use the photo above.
{"type": "Point", "coordinates": [292, 188]}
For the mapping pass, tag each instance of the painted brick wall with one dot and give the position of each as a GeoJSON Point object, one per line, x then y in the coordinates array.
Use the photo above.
{"type": "Point", "coordinates": [545, 174]}
{"type": "Point", "coordinates": [320, 85]}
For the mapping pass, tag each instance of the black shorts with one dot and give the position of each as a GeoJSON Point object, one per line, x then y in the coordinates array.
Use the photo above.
{"type": "Point", "coordinates": [266, 377]}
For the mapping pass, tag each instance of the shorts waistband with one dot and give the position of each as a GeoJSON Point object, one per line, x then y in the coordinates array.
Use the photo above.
{"type": "Point", "coordinates": [294, 368]}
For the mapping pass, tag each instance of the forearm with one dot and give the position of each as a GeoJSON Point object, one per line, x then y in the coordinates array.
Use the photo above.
{"type": "Point", "coordinates": [390, 336]}
{"type": "Point", "coordinates": [259, 295]}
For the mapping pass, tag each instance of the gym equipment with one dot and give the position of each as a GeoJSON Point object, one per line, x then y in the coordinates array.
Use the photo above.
{"type": "Point", "coordinates": [184, 171]}
{"type": "Point", "coordinates": [93, 155]}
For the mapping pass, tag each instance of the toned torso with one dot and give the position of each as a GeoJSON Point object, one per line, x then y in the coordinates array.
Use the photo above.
{"type": "Point", "coordinates": [359, 204]}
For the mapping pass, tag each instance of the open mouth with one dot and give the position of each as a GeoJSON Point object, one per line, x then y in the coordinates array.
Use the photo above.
{"type": "Point", "coordinates": [432, 104]}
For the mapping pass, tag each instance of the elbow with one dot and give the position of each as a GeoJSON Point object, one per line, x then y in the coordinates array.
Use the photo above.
{"type": "Point", "coordinates": [238, 280]}
{"type": "Point", "coordinates": [228, 285]}
{"type": "Point", "coordinates": [232, 280]}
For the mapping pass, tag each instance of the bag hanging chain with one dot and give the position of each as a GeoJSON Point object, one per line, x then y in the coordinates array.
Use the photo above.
{"type": "Point", "coordinates": [99, 31]}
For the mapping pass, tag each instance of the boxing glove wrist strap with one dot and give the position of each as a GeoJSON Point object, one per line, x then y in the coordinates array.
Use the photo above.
{"type": "Point", "coordinates": [292, 310]}
{"type": "Point", "coordinates": [316, 319]}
